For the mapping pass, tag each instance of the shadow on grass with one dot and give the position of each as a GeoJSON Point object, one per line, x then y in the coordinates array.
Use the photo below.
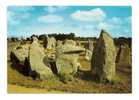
{"type": "Point", "coordinates": [87, 75]}
{"type": "Point", "coordinates": [22, 67]}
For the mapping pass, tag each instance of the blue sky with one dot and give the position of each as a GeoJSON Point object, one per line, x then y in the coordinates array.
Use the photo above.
{"type": "Point", "coordinates": [85, 21]}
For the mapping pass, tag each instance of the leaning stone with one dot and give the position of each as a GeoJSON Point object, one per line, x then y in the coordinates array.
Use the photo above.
{"type": "Point", "coordinates": [103, 58]}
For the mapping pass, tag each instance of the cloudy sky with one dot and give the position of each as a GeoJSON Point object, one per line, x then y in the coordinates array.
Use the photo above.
{"type": "Point", "coordinates": [82, 20]}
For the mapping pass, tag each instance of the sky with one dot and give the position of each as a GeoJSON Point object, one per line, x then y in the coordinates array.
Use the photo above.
{"type": "Point", "coordinates": [87, 21]}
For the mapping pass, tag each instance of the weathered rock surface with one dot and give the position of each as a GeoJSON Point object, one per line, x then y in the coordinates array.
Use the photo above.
{"type": "Point", "coordinates": [19, 56]}
{"type": "Point", "coordinates": [88, 54]}
{"type": "Point", "coordinates": [103, 58]}
{"type": "Point", "coordinates": [124, 57]}
{"type": "Point", "coordinates": [67, 58]}
{"type": "Point", "coordinates": [70, 47]}
{"type": "Point", "coordinates": [91, 45]}
{"type": "Point", "coordinates": [51, 42]}
{"type": "Point", "coordinates": [20, 52]}
{"type": "Point", "coordinates": [36, 60]}
{"type": "Point", "coordinates": [59, 43]}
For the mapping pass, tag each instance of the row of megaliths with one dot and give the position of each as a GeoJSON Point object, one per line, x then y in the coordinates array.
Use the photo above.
{"type": "Point", "coordinates": [44, 63]}
{"type": "Point", "coordinates": [103, 58]}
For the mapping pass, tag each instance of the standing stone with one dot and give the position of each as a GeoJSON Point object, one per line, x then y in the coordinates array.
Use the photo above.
{"type": "Point", "coordinates": [89, 50]}
{"type": "Point", "coordinates": [51, 45]}
{"type": "Point", "coordinates": [21, 53]}
{"type": "Point", "coordinates": [90, 43]}
{"type": "Point", "coordinates": [58, 43]}
{"type": "Point", "coordinates": [67, 58]}
{"type": "Point", "coordinates": [124, 57]}
{"type": "Point", "coordinates": [51, 42]}
{"type": "Point", "coordinates": [103, 58]}
{"type": "Point", "coordinates": [19, 57]}
{"type": "Point", "coordinates": [88, 55]}
{"type": "Point", "coordinates": [70, 42]}
{"type": "Point", "coordinates": [36, 59]}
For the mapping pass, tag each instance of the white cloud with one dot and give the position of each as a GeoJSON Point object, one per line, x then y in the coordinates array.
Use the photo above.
{"type": "Point", "coordinates": [116, 20]}
{"type": "Point", "coordinates": [94, 15]}
{"type": "Point", "coordinates": [11, 18]}
{"type": "Point", "coordinates": [51, 18]}
{"type": "Point", "coordinates": [15, 18]}
{"type": "Point", "coordinates": [20, 9]}
{"type": "Point", "coordinates": [89, 27]}
{"type": "Point", "coordinates": [128, 19]}
{"type": "Point", "coordinates": [16, 14]}
{"type": "Point", "coordinates": [119, 20]}
{"type": "Point", "coordinates": [117, 26]}
{"type": "Point", "coordinates": [53, 9]}
{"type": "Point", "coordinates": [103, 25]}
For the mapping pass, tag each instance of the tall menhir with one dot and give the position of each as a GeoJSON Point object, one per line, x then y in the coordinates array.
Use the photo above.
{"type": "Point", "coordinates": [103, 58]}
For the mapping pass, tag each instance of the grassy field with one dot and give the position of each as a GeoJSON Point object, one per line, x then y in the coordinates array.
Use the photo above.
{"type": "Point", "coordinates": [21, 89]}
{"type": "Point", "coordinates": [82, 83]}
